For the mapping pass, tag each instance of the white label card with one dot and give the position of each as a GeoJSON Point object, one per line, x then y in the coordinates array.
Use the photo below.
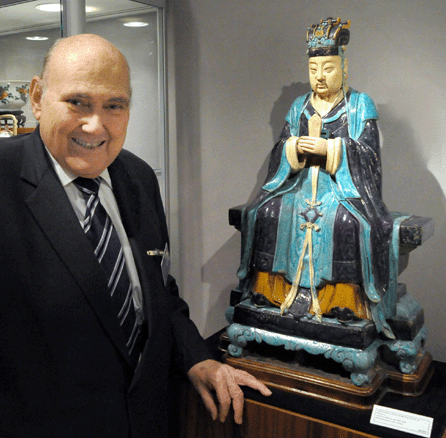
{"type": "Point", "coordinates": [401, 420]}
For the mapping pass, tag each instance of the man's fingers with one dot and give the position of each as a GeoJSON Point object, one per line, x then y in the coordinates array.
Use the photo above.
{"type": "Point", "coordinates": [237, 404]}
{"type": "Point", "coordinates": [224, 400]}
{"type": "Point", "coordinates": [224, 389]}
{"type": "Point", "coordinates": [233, 378]}
{"type": "Point", "coordinates": [208, 401]}
{"type": "Point", "coordinates": [236, 395]}
{"type": "Point", "coordinates": [225, 381]}
{"type": "Point", "coordinates": [264, 390]}
{"type": "Point", "coordinates": [245, 379]}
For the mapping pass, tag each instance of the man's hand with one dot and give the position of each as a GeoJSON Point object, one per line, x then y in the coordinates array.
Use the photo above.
{"type": "Point", "coordinates": [224, 380]}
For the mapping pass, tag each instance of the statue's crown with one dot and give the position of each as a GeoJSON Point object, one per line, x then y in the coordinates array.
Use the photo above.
{"type": "Point", "coordinates": [327, 37]}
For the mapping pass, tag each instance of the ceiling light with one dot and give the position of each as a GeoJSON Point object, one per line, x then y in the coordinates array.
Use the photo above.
{"type": "Point", "coordinates": [55, 7]}
{"type": "Point", "coordinates": [136, 24]}
{"type": "Point", "coordinates": [36, 38]}
{"type": "Point", "coordinates": [49, 7]}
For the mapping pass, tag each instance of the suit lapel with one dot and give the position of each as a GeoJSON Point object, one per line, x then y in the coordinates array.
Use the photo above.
{"type": "Point", "coordinates": [51, 208]}
{"type": "Point", "coordinates": [141, 235]}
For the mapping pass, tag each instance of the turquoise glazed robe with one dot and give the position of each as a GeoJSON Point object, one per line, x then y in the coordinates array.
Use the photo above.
{"type": "Point", "coordinates": [354, 236]}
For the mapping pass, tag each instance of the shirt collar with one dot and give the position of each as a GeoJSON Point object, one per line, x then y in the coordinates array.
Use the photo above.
{"type": "Point", "coordinates": [66, 177]}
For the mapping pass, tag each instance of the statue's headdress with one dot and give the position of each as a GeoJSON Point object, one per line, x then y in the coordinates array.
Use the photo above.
{"type": "Point", "coordinates": [328, 37]}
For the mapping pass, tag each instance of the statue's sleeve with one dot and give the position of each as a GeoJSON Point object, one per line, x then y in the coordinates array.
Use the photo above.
{"type": "Point", "coordinates": [363, 148]}
{"type": "Point", "coordinates": [276, 153]}
{"type": "Point", "coordinates": [369, 171]}
{"type": "Point", "coordinates": [280, 168]}
{"type": "Point", "coordinates": [363, 152]}
{"type": "Point", "coordinates": [364, 163]}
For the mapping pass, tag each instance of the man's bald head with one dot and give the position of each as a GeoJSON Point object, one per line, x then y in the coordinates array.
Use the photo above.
{"type": "Point", "coordinates": [79, 48]}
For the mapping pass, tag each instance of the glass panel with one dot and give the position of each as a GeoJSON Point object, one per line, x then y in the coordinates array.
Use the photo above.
{"type": "Point", "coordinates": [143, 46]}
{"type": "Point", "coordinates": [140, 44]}
{"type": "Point", "coordinates": [21, 57]}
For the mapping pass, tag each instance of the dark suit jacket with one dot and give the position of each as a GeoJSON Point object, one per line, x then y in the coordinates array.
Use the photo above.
{"type": "Point", "coordinates": [64, 367]}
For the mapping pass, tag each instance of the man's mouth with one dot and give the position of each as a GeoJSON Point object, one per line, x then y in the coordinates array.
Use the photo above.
{"type": "Point", "coordinates": [87, 145]}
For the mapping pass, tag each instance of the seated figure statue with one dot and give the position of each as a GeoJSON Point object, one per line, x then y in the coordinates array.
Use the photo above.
{"type": "Point", "coordinates": [321, 253]}
{"type": "Point", "coordinates": [317, 238]}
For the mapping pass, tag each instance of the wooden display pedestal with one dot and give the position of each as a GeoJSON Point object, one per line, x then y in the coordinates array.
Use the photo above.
{"type": "Point", "coordinates": [316, 383]}
{"type": "Point", "coordinates": [260, 420]}
{"type": "Point", "coordinates": [310, 403]}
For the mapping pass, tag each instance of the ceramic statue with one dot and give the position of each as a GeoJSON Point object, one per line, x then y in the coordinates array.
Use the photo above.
{"type": "Point", "coordinates": [318, 242]}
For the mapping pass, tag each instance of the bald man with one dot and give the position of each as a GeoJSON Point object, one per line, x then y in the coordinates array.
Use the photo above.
{"type": "Point", "coordinates": [90, 331]}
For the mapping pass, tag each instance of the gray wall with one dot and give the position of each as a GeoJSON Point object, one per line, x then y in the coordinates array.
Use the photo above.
{"type": "Point", "coordinates": [238, 66]}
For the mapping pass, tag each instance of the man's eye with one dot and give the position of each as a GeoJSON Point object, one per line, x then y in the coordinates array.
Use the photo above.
{"type": "Point", "coordinates": [74, 102]}
{"type": "Point", "coordinates": [116, 107]}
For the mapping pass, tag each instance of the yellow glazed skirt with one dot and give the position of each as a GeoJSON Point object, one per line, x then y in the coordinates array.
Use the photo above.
{"type": "Point", "coordinates": [275, 288]}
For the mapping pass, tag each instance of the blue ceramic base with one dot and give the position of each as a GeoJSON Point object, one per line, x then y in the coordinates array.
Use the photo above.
{"type": "Point", "coordinates": [360, 363]}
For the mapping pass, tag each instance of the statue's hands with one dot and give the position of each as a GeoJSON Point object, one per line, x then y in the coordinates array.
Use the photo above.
{"type": "Point", "coordinates": [312, 145]}
{"type": "Point", "coordinates": [224, 380]}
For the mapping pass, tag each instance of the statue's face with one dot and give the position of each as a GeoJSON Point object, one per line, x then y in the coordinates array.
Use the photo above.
{"type": "Point", "coordinates": [325, 75]}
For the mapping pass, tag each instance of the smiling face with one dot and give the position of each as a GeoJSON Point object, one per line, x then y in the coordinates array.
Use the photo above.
{"type": "Point", "coordinates": [326, 75]}
{"type": "Point", "coordinates": [82, 103]}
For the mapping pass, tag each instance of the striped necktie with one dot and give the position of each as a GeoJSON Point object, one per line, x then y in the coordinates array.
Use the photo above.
{"type": "Point", "coordinates": [99, 229]}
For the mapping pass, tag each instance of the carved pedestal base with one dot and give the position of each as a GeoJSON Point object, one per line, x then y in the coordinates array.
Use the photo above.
{"type": "Point", "coordinates": [315, 377]}
{"type": "Point", "coordinates": [365, 356]}
{"type": "Point", "coordinates": [360, 363]}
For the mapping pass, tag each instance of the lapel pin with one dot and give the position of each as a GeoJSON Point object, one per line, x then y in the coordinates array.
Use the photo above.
{"type": "Point", "coordinates": [165, 262]}
{"type": "Point", "coordinates": [155, 252]}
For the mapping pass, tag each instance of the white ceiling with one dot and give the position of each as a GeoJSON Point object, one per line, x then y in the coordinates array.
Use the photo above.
{"type": "Point", "coordinates": [25, 17]}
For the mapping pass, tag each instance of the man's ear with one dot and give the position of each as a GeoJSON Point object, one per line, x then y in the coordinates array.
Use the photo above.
{"type": "Point", "coordinates": [35, 95]}
{"type": "Point", "coordinates": [346, 68]}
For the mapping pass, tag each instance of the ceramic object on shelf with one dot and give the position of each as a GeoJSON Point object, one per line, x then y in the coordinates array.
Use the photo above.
{"type": "Point", "coordinates": [13, 94]}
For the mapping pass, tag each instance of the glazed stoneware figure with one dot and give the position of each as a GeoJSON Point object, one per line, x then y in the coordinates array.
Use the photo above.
{"type": "Point", "coordinates": [317, 238]}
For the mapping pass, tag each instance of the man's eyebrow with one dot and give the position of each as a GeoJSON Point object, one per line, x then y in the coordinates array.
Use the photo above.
{"type": "Point", "coordinates": [78, 96]}
{"type": "Point", "coordinates": [124, 100]}
{"type": "Point", "coordinates": [119, 99]}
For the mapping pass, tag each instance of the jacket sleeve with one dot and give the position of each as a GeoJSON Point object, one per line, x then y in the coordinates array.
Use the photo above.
{"type": "Point", "coordinates": [189, 346]}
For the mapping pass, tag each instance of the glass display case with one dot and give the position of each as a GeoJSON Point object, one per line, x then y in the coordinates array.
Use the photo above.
{"type": "Point", "coordinates": [136, 28]}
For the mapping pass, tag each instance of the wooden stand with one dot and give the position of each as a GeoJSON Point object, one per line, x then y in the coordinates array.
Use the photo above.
{"type": "Point", "coordinates": [297, 414]}
{"type": "Point", "coordinates": [307, 404]}
{"type": "Point", "coordinates": [260, 420]}
{"type": "Point", "coordinates": [319, 384]}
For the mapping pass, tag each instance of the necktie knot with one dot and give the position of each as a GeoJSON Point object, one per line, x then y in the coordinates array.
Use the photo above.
{"type": "Point", "coordinates": [87, 185]}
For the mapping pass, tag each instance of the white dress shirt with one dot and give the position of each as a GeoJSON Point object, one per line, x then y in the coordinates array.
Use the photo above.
{"type": "Point", "coordinates": [108, 200]}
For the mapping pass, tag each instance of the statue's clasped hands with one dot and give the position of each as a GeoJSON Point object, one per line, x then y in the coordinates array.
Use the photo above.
{"type": "Point", "coordinates": [312, 145]}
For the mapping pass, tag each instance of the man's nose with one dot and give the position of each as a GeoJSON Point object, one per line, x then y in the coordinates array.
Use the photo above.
{"type": "Point", "coordinates": [320, 74]}
{"type": "Point", "coordinates": [93, 123]}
